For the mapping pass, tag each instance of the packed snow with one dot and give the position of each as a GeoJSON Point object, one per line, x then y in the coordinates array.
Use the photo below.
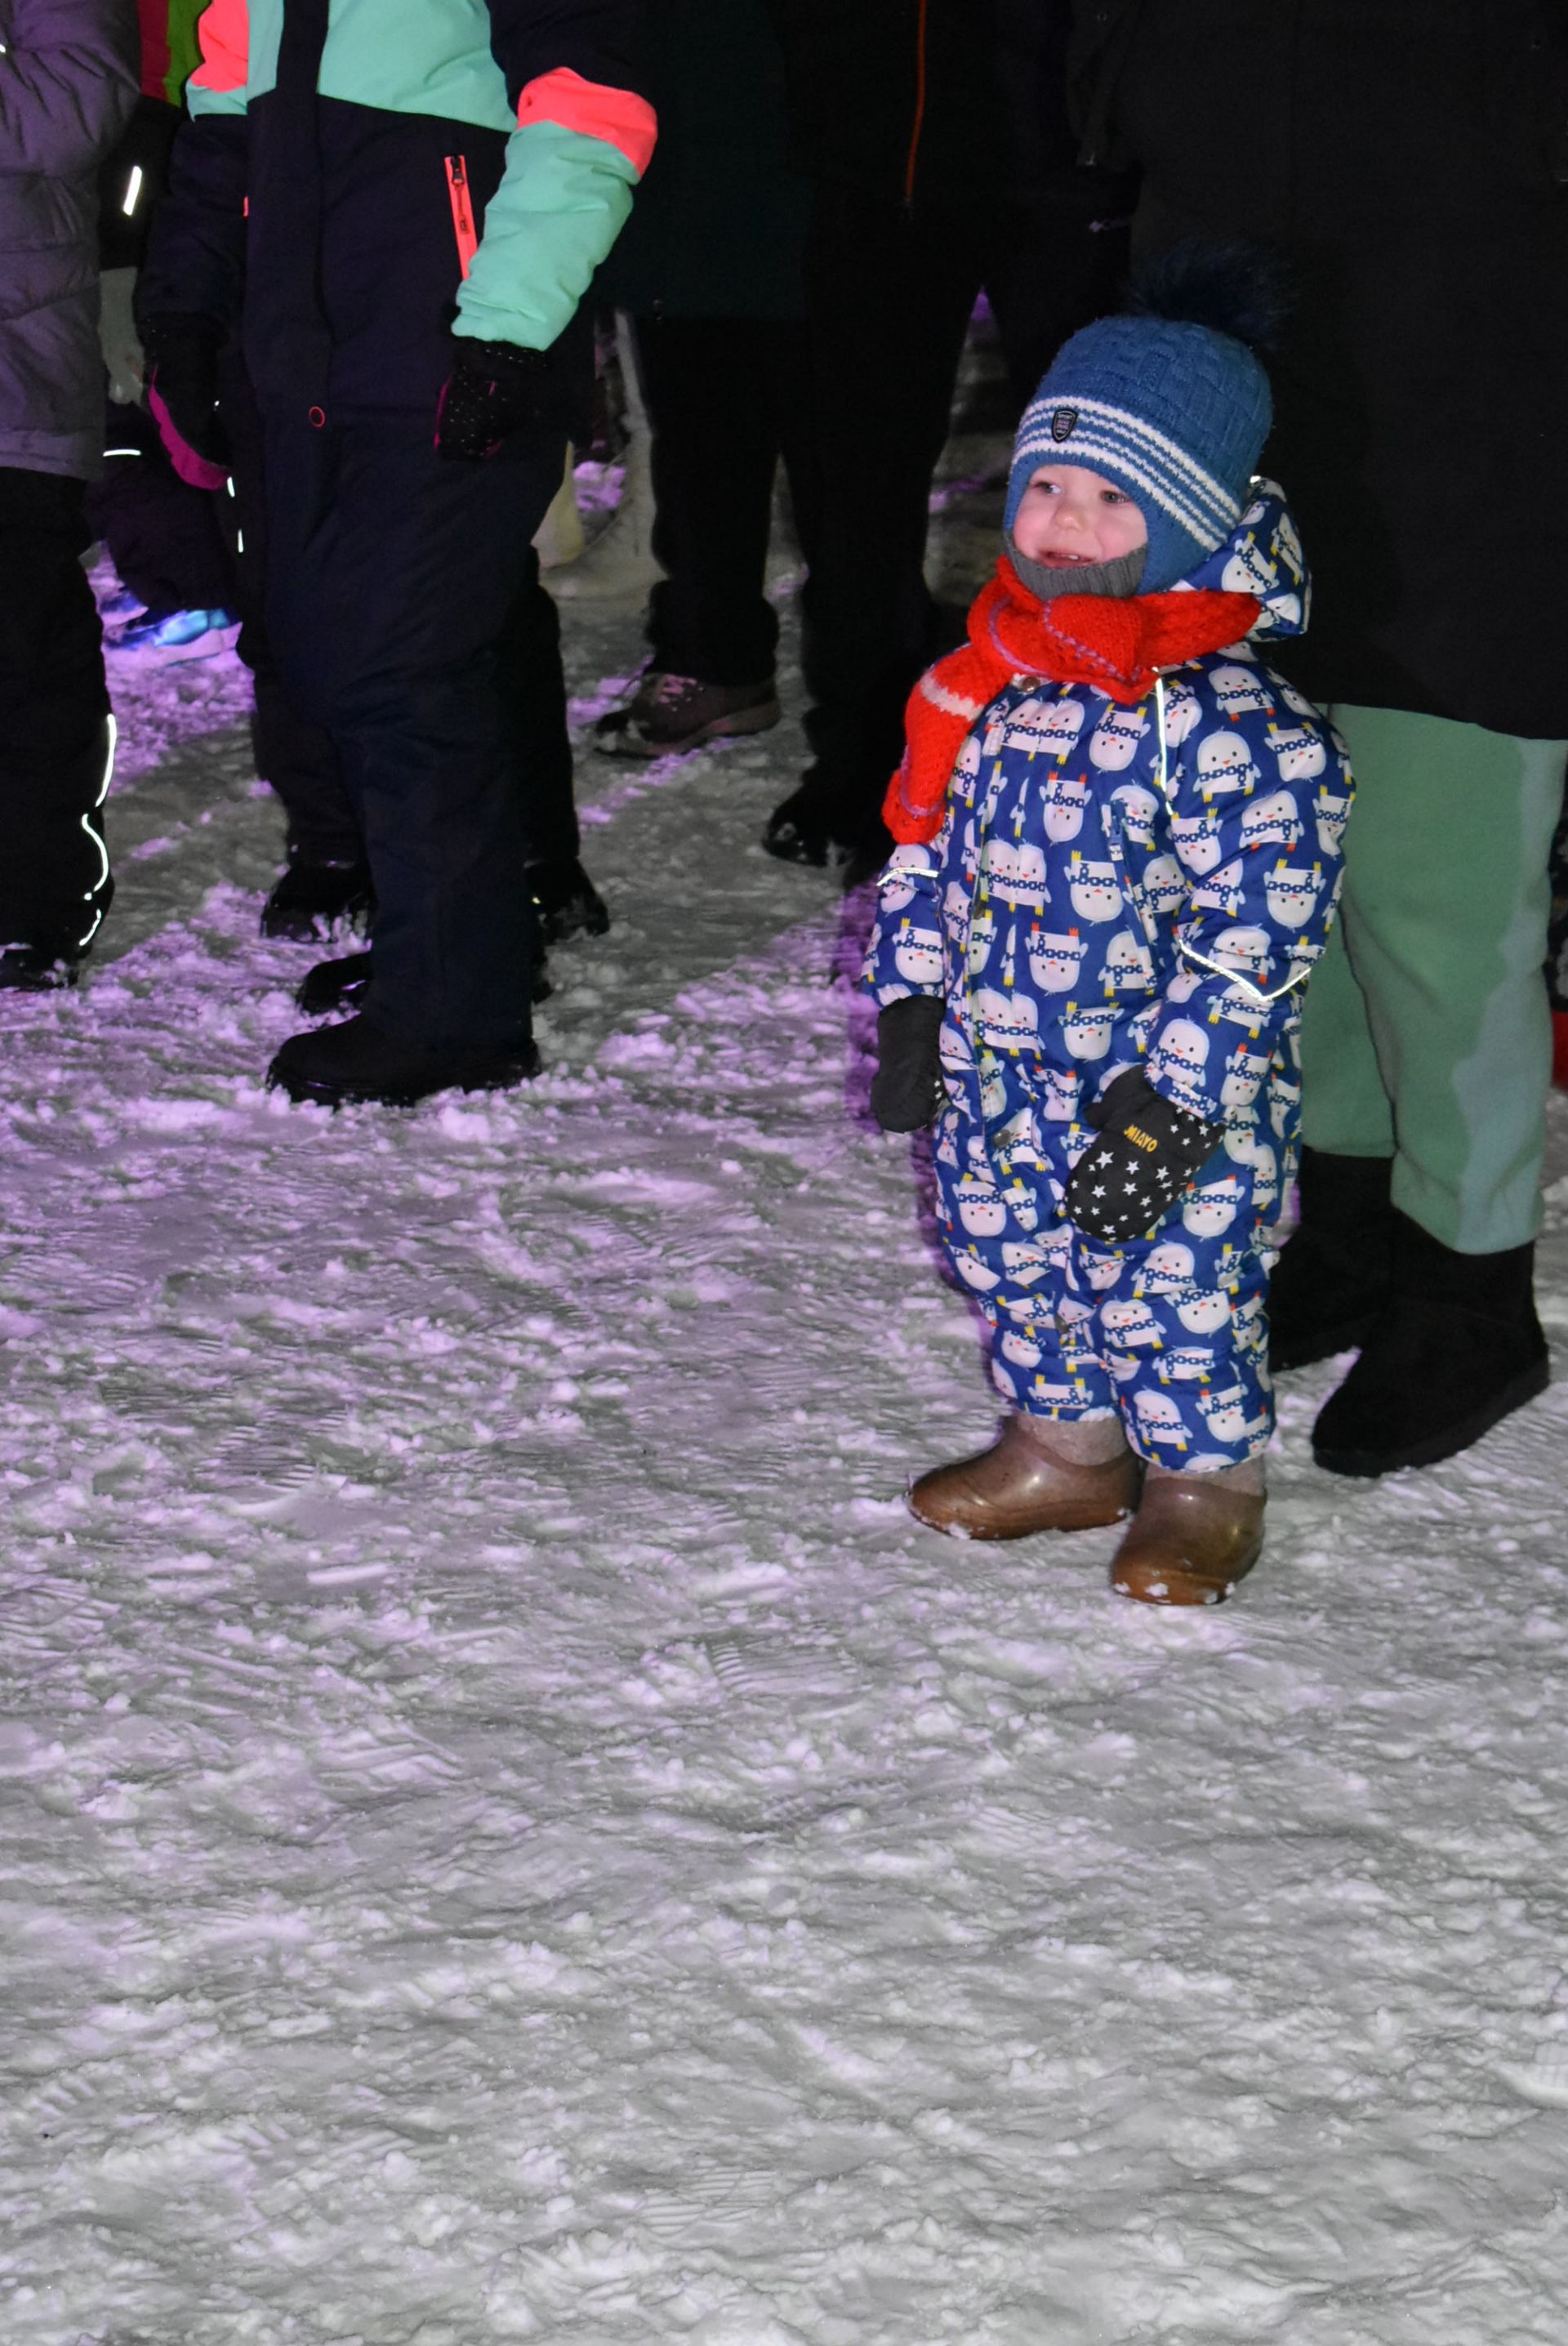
{"type": "Point", "coordinates": [513, 1832]}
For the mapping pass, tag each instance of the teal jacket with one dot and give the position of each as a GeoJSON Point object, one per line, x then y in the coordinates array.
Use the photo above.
{"type": "Point", "coordinates": [560, 84]}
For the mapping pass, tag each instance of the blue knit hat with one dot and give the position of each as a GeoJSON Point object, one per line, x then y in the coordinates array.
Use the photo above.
{"type": "Point", "coordinates": [1174, 413]}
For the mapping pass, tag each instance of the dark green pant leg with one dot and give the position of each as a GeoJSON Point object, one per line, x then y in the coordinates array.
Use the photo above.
{"type": "Point", "coordinates": [1425, 1031]}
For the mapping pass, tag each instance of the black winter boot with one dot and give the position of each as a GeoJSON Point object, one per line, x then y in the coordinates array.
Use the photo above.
{"type": "Point", "coordinates": [819, 824]}
{"type": "Point", "coordinates": [566, 900]}
{"type": "Point", "coordinates": [311, 898]}
{"type": "Point", "coordinates": [1334, 1275]}
{"type": "Point", "coordinates": [344, 983]}
{"type": "Point", "coordinates": [1457, 1347]}
{"type": "Point", "coordinates": [37, 969]}
{"type": "Point", "coordinates": [340, 985]}
{"type": "Point", "coordinates": [799, 829]}
{"type": "Point", "coordinates": [356, 1061]}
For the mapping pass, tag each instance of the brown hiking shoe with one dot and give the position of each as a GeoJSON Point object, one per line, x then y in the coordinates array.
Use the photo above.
{"type": "Point", "coordinates": [1193, 1538]}
{"type": "Point", "coordinates": [672, 713]}
{"type": "Point", "coordinates": [1017, 1487]}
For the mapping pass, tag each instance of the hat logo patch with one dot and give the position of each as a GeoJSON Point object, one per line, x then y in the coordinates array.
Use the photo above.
{"type": "Point", "coordinates": [1064, 424]}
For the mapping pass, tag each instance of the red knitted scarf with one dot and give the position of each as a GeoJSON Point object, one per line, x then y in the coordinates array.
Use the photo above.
{"type": "Point", "coordinates": [1118, 646]}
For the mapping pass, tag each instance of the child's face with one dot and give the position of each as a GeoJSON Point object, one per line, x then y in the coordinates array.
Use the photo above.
{"type": "Point", "coordinates": [1069, 516]}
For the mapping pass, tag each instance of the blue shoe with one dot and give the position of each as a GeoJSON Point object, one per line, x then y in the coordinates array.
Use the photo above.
{"type": "Point", "coordinates": [179, 636]}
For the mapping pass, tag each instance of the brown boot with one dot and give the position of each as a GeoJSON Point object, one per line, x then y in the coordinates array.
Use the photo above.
{"type": "Point", "coordinates": [1017, 1487]}
{"type": "Point", "coordinates": [1193, 1537]}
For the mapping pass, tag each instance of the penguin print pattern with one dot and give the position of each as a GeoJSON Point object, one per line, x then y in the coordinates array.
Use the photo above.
{"type": "Point", "coordinates": [1119, 886]}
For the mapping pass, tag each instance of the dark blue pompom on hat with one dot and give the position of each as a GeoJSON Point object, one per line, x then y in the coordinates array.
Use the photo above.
{"type": "Point", "coordinates": [1168, 401]}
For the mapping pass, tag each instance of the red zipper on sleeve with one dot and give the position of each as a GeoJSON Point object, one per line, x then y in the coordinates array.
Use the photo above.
{"type": "Point", "coordinates": [463, 225]}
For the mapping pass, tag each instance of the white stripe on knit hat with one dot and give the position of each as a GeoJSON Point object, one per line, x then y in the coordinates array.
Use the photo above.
{"type": "Point", "coordinates": [1196, 479]}
{"type": "Point", "coordinates": [1191, 477]}
{"type": "Point", "coordinates": [1200, 528]}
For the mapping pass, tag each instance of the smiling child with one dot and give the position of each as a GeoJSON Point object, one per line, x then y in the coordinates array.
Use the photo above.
{"type": "Point", "coordinates": [1118, 859]}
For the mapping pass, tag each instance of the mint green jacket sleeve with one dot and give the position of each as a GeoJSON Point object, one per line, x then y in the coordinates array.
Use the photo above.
{"type": "Point", "coordinates": [562, 202]}
{"type": "Point", "coordinates": [214, 101]}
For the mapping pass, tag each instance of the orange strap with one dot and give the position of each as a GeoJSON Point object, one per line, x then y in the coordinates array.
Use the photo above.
{"type": "Point", "coordinates": [618, 117]}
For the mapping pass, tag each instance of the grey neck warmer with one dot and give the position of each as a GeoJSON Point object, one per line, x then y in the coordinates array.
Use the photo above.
{"type": "Point", "coordinates": [1119, 578]}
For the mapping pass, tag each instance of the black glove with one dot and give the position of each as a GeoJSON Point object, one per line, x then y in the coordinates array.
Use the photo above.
{"type": "Point", "coordinates": [495, 389]}
{"type": "Point", "coordinates": [906, 1090]}
{"type": "Point", "coordinates": [182, 393]}
{"type": "Point", "coordinates": [1147, 1152]}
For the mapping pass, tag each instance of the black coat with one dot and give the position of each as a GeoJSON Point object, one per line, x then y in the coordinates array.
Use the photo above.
{"type": "Point", "coordinates": [719, 221]}
{"type": "Point", "coordinates": [1410, 160]}
{"type": "Point", "coordinates": [955, 103]}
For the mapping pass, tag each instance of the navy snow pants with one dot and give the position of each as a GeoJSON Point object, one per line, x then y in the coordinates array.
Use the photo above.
{"type": "Point", "coordinates": [392, 575]}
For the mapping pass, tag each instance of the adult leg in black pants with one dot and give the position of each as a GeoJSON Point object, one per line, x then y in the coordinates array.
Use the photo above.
{"type": "Point", "coordinates": [55, 736]}
{"type": "Point", "coordinates": [889, 298]}
{"type": "Point", "coordinates": [725, 398]}
{"type": "Point", "coordinates": [534, 686]}
{"type": "Point", "coordinates": [890, 295]}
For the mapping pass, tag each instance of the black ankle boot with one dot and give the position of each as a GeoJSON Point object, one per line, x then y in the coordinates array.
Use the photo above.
{"type": "Point", "coordinates": [799, 829]}
{"type": "Point", "coordinates": [341, 985]}
{"type": "Point", "coordinates": [567, 903]}
{"type": "Point", "coordinates": [1457, 1347]}
{"type": "Point", "coordinates": [313, 897]}
{"type": "Point", "coordinates": [344, 983]}
{"type": "Point", "coordinates": [818, 825]}
{"type": "Point", "coordinates": [335, 1066]}
{"type": "Point", "coordinates": [1334, 1276]}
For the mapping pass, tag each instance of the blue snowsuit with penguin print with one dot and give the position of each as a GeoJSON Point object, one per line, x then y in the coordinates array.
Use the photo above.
{"type": "Point", "coordinates": [1116, 886]}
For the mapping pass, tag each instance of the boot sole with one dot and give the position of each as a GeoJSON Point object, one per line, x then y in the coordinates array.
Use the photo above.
{"type": "Point", "coordinates": [1174, 1585]}
{"type": "Point", "coordinates": [328, 1004]}
{"type": "Point", "coordinates": [9, 984]}
{"type": "Point", "coordinates": [1347, 1337]}
{"type": "Point", "coordinates": [1368, 1464]}
{"type": "Point", "coordinates": [1085, 1519]}
{"type": "Point", "coordinates": [626, 744]}
{"type": "Point", "coordinates": [307, 1093]}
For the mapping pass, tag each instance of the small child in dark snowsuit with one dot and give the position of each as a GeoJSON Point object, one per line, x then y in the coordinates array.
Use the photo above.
{"type": "Point", "coordinates": [1119, 855]}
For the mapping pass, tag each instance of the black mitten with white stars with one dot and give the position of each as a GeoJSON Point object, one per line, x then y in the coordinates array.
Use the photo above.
{"type": "Point", "coordinates": [1147, 1152]}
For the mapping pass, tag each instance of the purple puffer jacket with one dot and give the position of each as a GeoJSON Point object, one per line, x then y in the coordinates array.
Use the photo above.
{"type": "Point", "coordinates": [69, 73]}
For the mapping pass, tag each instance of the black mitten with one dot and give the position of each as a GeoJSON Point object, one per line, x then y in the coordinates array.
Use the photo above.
{"type": "Point", "coordinates": [495, 389]}
{"type": "Point", "coordinates": [1147, 1152]}
{"type": "Point", "coordinates": [906, 1090]}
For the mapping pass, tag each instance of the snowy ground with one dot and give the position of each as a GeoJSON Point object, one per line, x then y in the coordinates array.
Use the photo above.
{"type": "Point", "coordinates": [511, 1831]}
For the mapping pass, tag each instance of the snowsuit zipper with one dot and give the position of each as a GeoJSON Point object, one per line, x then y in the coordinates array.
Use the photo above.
{"type": "Point", "coordinates": [463, 225]}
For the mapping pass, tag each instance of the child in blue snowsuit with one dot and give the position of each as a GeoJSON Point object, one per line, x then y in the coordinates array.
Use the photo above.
{"type": "Point", "coordinates": [1119, 859]}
